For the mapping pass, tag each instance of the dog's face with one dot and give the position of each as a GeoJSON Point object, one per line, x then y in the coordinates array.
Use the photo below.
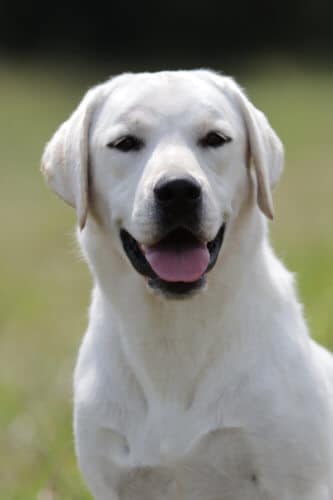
{"type": "Point", "coordinates": [168, 157]}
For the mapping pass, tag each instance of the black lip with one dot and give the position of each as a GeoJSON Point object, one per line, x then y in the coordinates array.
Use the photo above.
{"type": "Point", "coordinates": [174, 289]}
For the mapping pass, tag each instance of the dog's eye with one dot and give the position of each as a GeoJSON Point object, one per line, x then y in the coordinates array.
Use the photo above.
{"type": "Point", "coordinates": [126, 143]}
{"type": "Point", "coordinates": [214, 140]}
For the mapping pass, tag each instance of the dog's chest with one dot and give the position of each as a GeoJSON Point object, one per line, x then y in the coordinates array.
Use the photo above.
{"type": "Point", "coordinates": [175, 455]}
{"type": "Point", "coordinates": [177, 458]}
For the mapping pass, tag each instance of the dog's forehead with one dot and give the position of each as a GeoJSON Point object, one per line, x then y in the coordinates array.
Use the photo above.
{"type": "Point", "coordinates": [165, 94]}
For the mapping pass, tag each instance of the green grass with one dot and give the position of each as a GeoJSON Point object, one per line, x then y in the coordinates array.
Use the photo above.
{"type": "Point", "coordinates": [45, 287]}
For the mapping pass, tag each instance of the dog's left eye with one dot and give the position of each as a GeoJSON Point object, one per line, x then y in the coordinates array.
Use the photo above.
{"type": "Point", "coordinates": [214, 140]}
{"type": "Point", "coordinates": [127, 143]}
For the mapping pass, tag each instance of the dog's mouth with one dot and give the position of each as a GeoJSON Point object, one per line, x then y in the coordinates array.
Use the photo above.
{"type": "Point", "coordinates": [178, 263]}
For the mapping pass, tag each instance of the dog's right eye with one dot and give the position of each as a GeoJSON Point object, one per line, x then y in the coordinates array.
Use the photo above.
{"type": "Point", "coordinates": [126, 143]}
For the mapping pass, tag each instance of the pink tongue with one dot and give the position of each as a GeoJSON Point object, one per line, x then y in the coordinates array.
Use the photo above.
{"type": "Point", "coordinates": [186, 263]}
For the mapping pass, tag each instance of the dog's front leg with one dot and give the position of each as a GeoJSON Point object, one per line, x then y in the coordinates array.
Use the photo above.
{"type": "Point", "coordinates": [97, 478]}
{"type": "Point", "coordinates": [101, 455]}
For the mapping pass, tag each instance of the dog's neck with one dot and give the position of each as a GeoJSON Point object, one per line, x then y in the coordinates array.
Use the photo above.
{"type": "Point", "coordinates": [171, 344]}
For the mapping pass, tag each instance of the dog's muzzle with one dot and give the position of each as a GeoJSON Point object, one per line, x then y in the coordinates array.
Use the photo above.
{"type": "Point", "coordinates": [178, 263]}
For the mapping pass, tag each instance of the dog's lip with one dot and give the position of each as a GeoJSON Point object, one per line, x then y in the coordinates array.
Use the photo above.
{"type": "Point", "coordinates": [156, 241]}
{"type": "Point", "coordinates": [135, 251]}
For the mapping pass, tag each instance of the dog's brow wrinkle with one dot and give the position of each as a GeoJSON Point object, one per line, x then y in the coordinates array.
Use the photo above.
{"type": "Point", "coordinates": [137, 114]}
{"type": "Point", "coordinates": [211, 111]}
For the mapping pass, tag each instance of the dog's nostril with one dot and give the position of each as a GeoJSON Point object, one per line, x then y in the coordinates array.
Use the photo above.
{"type": "Point", "coordinates": [186, 190]}
{"type": "Point", "coordinates": [163, 193]}
{"type": "Point", "coordinates": [193, 192]}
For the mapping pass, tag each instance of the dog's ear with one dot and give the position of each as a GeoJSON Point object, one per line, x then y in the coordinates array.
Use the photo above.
{"type": "Point", "coordinates": [265, 148]}
{"type": "Point", "coordinates": [266, 151]}
{"type": "Point", "coordinates": [66, 156]}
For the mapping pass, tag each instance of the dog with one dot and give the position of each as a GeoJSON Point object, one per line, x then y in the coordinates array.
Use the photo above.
{"type": "Point", "coordinates": [197, 378]}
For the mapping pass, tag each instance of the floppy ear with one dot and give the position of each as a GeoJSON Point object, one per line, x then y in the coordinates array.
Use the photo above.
{"type": "Point", "coordinates": [265, 149]}
{"type": "Point", "coordinates": [66, 156]}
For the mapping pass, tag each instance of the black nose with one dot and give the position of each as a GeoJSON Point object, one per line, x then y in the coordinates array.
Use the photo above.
{"type": "Point", "coordinates": [179, 193]}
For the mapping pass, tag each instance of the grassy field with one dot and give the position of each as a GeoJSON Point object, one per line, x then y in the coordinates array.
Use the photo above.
{"type": "Point", "coordinates": [45, 287]}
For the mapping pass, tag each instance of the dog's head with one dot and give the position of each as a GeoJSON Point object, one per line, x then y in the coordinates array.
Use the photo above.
{"type": "Point", "coordinates": [162, 161]}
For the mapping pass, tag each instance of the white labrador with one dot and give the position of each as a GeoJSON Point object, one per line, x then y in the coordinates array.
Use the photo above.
{"type": "Point", "coordinates": [222, 396]}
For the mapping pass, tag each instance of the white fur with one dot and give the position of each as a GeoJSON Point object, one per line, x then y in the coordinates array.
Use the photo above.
{"type": "Point", "coordinates": [223, 396]}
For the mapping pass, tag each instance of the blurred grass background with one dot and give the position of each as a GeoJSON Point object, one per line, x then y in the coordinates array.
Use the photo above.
{"type": "Point", "coordinates": [45, 288]}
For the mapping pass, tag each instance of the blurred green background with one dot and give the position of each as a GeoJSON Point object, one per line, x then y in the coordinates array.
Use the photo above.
{"type": "Point", "coordinates": [45, 286]}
